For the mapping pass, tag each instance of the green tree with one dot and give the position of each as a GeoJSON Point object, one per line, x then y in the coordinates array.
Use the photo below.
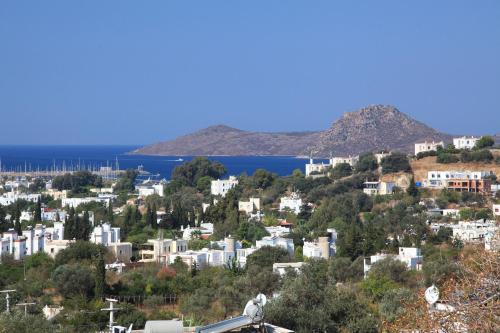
{"type": "Point", "coordinates": [412, 189]}
{"type": "Point", "coordinates": [190, 172]}
{"type": "Point", "coordinates": [266, 256]}
{"type": "Point", "coordinates": [485, 142]}
{"type": "Point", "coordinates": [73, 280]}
{"type": "Point", "coordinates": [395, 162]}
{"type": "Point", "coordinates": [100, 276]}
{"type": "Point", "coordinates": [38, 211]}
{"type": "Point", "coordinates": [126, 182]}
{"type": "Point", "coordinates": [366, 162]}
{"type": "Point", "coordinates": [341, 170]}
{"type": "Point", "coordinates": [262, 179]}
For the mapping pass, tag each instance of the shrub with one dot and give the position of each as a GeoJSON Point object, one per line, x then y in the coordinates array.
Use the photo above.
{"type": "Point", "coordinates": [485, 141]}
{"type": "Point", "coordinates": [446, 158]}
{"type": "Point", "coordinates": [394, 163]}
{"type": "Point", "coordinates": [476, 156]}
{"type": "Point", "coordinates": [423, 154]}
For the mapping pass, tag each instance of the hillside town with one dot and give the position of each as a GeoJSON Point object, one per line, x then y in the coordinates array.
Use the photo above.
{"type": "Point", "coordinates": [371, 232]}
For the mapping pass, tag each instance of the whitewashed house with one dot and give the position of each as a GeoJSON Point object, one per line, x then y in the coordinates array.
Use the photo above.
{"type": "Point", "coordinates": [292, 203]}
{"type": "Point", "coordinates": [13, 244]}
{"type": "Point", "coordinates": [438, 179]}
{"type": "Point", "coordinates": [11, 197]}
{"type": "Point", "coordinates": [221, 187]}
{"type": "Point", "coordinates": [496, 209]}
{"type": "Point", "coordinates": [105, 234]}
{"type": "Point", "coordinates": [425, 146]}
{"type": "Point", "coordinates": [75, 202]}
{"type": "Point", "coordinates": [379, 187]}
{"type": "Point", "coordinates": [465, 142]}
{"type": "Point", "coordinates": [253, 204]}
{"type": "Point", "coordinates": [411, 256]}
{"type": "Point", "coordinates": [159, 250]}
{"type": "Point", "coordinates": [282, 267]}
{"type": "Point", "coordinates": [275, 241]}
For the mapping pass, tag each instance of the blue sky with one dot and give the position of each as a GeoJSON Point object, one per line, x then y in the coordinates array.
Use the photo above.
{"type": "Point", "coordinates": [136, 72]}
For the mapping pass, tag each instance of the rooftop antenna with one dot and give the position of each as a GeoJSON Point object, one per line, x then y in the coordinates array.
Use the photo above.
{"type": "Point", "coordinates": [7, 298]}
{"type": "Point", "coordinates": [112, 311]}
{"type": "Point", "coordinates": [25, 307]}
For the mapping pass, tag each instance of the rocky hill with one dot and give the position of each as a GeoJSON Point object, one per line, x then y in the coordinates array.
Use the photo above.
{"type": "Point", "coordinates": [375, 127]}
{"type": "Point", "coordinates": [371, 128]}
{"type": "Point", "coordinates": [223, 140]}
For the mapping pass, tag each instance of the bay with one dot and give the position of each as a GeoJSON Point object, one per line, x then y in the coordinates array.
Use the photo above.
{"type": "Point", "coordinates": [46, 157]}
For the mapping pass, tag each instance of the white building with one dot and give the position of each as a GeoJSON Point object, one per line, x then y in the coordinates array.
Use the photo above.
{"type": "Point", "coordinates": [11, 197]}
{"type": "Point", "coordinates": [55, 232]}
{"type": "Point", "coordinates": [221, 187]}
{"type": "Point", "coordinates": [105, 234]}
{"type": "Point", "coordinates": [53, 247]}
{"type": "Point", "coordinates": [205, 230]}
{"type": "Point", "coordinates": [316, 168]}
{"type": "Point", "coordinates": [427, 146]}
{"type": "Point", "coordinates": [26, 216]}
{"type": "Point", "coordinates": [35, 239]}
{"type": "Point", "coordinates": [159, 250]}
{"type": "Point", "coordinates": [351, 160]}
{"type": "Point", "coordinates": [496, 210]}
{"type": "Point", "coordinates": [465, 142]}
{"type": "Point", "coordinates": [218, 258]}
{"type": "Point", "coordinates": [13, 245]}
{"type": "Point", "coordinates": [380, 156]}
{"type": "Point", "coordinates": [319, 168]}
{"type": "Point", "coordinates": [380, 188]}
{"type": "Point", "coordinates": [473, 231]}
{"type": "Point", "coordinates": [122, 251]}
{"type": "Point", "coordinates": [243, 254]}
{"type": "Point", "coordinates": [190, 258]}
{"type": "Point", "coordinates": [437, 179]}
{"type": "Point", "coordinates": [411, 256]}
{"type": "Point", "coordinates": [279, 231]}
{"type": "Point", "coordinates": [282, 267]}
{"type": "Point", "coordinates": [292, 203]}
{"type": "Point", "coordinates": [49, 214]}
{"type": "Point", "coordinates": [275, 241]}
{"type": "Point", "coordinates": [75, 202]}
{"type": "Point", "coordinates": [323, 247]}
{"type": "Point", "coordinates": [253, 204]}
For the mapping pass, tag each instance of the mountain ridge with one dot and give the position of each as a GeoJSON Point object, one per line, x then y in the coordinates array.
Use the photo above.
{"type": "Point", "coordinates": [373, 127]}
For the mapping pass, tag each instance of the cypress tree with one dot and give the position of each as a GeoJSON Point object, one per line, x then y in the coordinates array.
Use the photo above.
{"type": "Point", "coordinates": [111, 217]}
{"type": "Point", "coordinates": [100, 276]}
{"type": "Point", "coordinates": [154, 217]}
{"type": "Point", "coordinates": [17, 218]}
{"type": "Point", "coordinates": [38, 211]}
{"type": "Point", "coordinates": [147, 216]}
{"type": "Point", "coordinates": [127, 221]}
{"type": "Point", "coordinates": [70, 225]}
{"type": "Point", "coordinates": [412, 189]}
{"type": "Point", "coordinates": [85, 227]}
{"type": "Point", "coordinates": [17, 226]}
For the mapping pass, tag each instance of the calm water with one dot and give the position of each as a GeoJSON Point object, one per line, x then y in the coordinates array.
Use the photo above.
{"type": "Point", "coordinates": [44, 157]}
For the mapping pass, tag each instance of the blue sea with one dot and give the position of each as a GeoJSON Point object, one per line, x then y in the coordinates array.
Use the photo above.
{"type": "Point", "coordinates": [46, 157]}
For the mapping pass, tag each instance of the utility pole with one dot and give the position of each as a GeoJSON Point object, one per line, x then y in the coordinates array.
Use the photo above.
{"type": "Point", "coordinates": [25, 307]}
{"type": "Point", "coordinates": [111, 310]}
{"type": "Point", "coordinates": [7, 298]}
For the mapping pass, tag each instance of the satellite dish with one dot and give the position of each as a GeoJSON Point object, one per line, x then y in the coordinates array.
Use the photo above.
{"type": "Point", "coordinates": [254, 308]}
{"type": "Point", "coordinates": [262, 299]}
{"type": "Point", "coordinates": [432, 295]}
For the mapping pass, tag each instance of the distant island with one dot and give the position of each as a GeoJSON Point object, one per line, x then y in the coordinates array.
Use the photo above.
{"type": "Point", "coordinates": [374, 127]}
